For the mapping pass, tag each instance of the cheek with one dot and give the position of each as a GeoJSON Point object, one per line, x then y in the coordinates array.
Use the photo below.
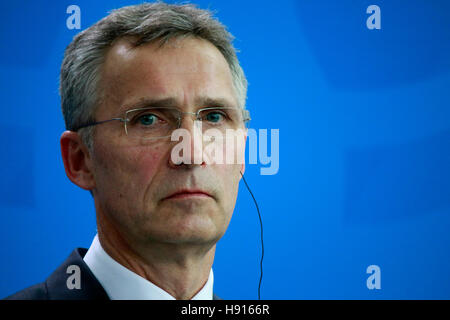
{"type": "Point", "coordinates": [230, 172]}
{"type": "Point", "coordinates": [229, 175]}
{"type": "Point", "coordinates": [143, 165]}
{"type": "Point", "coordinates": [130, 170]}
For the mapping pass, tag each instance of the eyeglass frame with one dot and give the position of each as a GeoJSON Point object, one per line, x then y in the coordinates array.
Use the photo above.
{"type": "Point", "coordinates": [245, 115]}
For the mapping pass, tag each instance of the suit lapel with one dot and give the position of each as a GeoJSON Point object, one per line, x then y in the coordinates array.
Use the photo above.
{"type": "Point", "coordinates": [90, 288]}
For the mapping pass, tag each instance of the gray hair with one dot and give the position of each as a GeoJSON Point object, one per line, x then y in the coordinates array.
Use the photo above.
{"type": "Point", "coordinates": [147, 22]}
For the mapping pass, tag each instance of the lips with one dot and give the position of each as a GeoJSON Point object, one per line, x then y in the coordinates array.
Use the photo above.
{"type": "Point", "coordinates": [188, 193]}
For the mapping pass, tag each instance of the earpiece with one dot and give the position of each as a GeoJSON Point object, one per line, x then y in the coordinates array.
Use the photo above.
{"type": "Point", "coordinates": [262, 238]}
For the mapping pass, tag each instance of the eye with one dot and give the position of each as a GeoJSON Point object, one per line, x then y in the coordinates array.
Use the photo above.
{"type": "Point", "coordinates": [147, 119]}
{"type": "Point", "coordinates": [214, 116]}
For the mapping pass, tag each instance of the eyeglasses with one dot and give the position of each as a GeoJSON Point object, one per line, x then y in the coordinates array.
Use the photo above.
{"type": "Point", "coordinates": [160, 122]}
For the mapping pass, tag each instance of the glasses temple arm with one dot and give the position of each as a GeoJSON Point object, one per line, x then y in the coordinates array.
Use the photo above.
{"type": "Point", "coordinates": [89, 124]}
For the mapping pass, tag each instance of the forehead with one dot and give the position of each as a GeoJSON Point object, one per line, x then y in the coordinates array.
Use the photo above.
{"type": "Point", "coordinates": [182, 69]}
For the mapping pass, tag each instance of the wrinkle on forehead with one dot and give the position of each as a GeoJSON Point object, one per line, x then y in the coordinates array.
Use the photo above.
{"type": "Point", "coordinates": [152, 69]}
{"type": "Point", "coordinates": [124, 52]}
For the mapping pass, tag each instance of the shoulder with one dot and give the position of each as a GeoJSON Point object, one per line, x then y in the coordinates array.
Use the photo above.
{"type": "Point", "coordinates": [36, 292]}
{"type": "Point", "coordinates": [56, 287]}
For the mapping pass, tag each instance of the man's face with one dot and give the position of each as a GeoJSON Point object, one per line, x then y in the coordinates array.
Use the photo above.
{"type": "Point", "coordinates": [135, 180]}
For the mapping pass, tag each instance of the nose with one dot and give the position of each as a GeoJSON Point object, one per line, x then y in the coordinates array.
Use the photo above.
{"type": "Point", "coordinates": [187, 150]}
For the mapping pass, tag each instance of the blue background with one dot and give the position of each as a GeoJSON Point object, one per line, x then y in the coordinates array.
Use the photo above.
{"type": "Point", "coordinates": [364, 120]}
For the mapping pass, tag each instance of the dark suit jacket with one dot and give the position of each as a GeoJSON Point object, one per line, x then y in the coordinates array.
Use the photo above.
{"type": "Point", "coordinates": [55, 287]}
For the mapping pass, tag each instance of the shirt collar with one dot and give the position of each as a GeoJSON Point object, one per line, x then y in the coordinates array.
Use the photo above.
{"type": "Point", "coordinates": [121, 283]}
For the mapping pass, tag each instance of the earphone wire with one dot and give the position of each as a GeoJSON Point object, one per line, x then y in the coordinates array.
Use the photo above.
{"type": "Point", "coordinates": [262, 237]}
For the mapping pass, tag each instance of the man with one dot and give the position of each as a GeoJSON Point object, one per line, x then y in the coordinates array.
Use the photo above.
{"type": "Point", "coordinates": [127, 83]}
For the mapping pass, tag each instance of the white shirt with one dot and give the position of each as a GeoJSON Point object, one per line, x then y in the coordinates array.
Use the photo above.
{"type": "Point", "coordinates": [121, 283]}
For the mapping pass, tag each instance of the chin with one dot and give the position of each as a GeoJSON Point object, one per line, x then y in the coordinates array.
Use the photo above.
{"type": "Point", "coordinates": [187, 239]}
{"type": "Point", "coordinates": [190, 206]}
{"type": "Point", "coordinates": [181, 222]}
{"type": "Point", "coordinates": [191, 230]}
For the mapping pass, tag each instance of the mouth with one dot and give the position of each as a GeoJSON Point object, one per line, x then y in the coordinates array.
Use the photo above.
{"type": "Point", "coordinates": [188, 194]}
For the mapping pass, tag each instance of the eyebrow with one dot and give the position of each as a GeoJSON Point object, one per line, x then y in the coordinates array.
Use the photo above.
{"type": "Point", "coordinates": [214, 102]}
{"type": "Point", "coordinates": [150, 102]}
{"type": "Point", "coordinates": [200, 102]}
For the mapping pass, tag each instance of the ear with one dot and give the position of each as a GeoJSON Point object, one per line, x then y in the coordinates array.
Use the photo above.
{"type": "Point", "coordinates": [77, 160]}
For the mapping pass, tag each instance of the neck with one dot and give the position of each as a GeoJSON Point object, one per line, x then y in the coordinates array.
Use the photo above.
{"type": "Point", "coordinates": [179, 269]}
